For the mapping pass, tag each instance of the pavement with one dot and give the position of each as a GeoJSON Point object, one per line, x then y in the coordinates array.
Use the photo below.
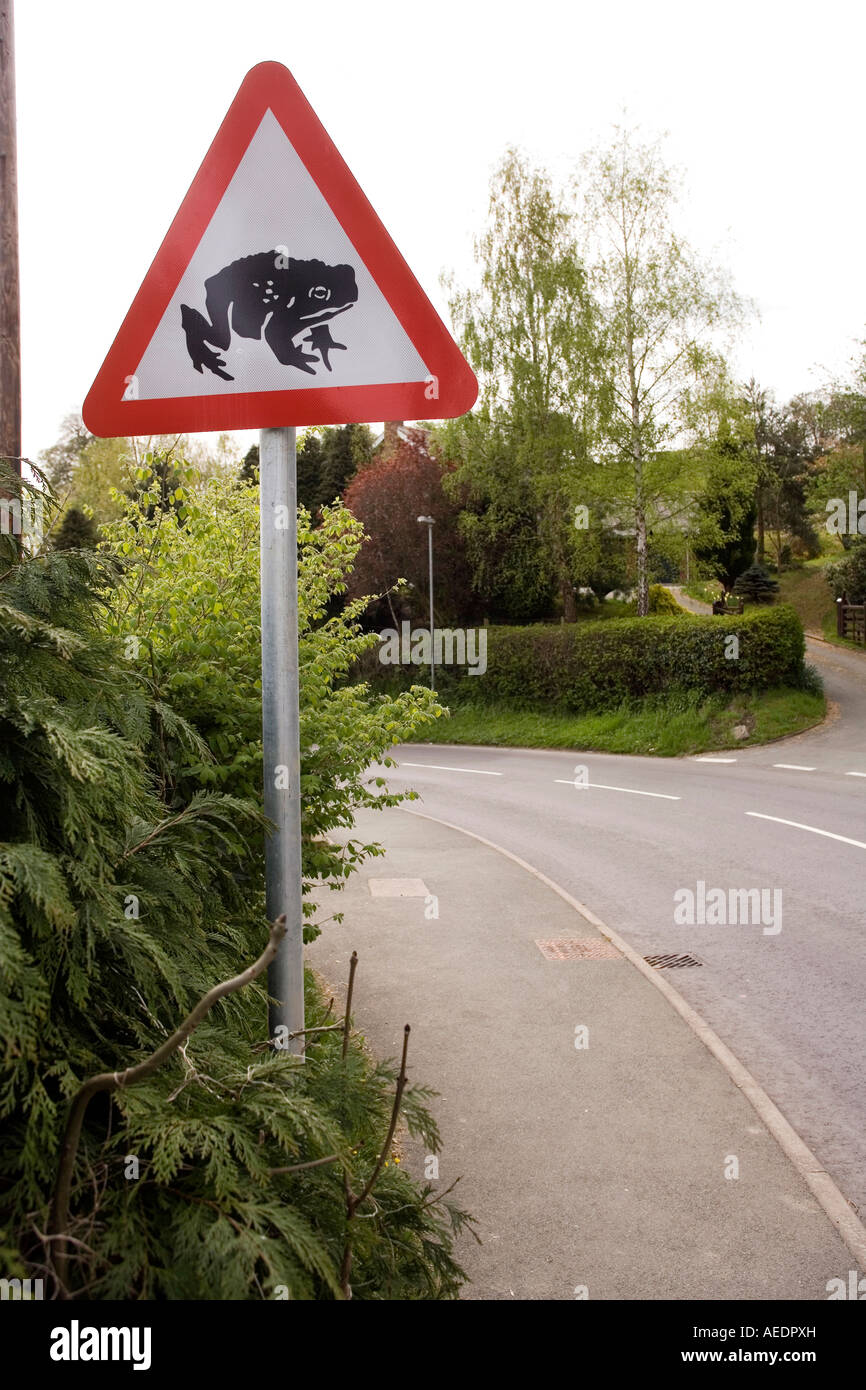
{"type": "Point", "coordinates": [606, 1141]}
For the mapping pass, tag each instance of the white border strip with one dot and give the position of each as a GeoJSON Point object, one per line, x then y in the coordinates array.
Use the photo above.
{"type": "Point", "coordinates": [798, 825]}
{"type": "Point", "coordinates": [600, 786]}
{"type": "Point", "coordinates": [439, 767]}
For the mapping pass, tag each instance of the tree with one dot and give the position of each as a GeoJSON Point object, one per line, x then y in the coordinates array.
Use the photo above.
{"type": "Point", "coordinates": [58, 462]}
{"type": "Point", "coordinates": [756, 585]}
{"type": "Point", "coordinates": [531, 332]}
{"type": "Point", "coordinates": [328, 459]}
{"type": "Point", "coordinates": [387, 497]}
{"type": "Point", "coordinates": [726, 514]}
{"type": "Point", "coordinates": [662, 309]}
{"type": "Point", "coordinates": [77, 531]}
{"type": "Point", "coordinates": [787, 440]}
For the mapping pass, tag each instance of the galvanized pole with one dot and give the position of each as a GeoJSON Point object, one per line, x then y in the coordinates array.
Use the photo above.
{"type": "Point", "coordinates": [10, 339]}
{"type": "Point", "coordinates": [432, 627]}
{"type": "Point", "coordinates": [280, 728]}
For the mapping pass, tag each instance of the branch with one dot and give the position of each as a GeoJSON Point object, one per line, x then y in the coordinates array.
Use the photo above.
{"type": "Point", "coordinates": [299, 1167]}
{"type": "Point", "coordinates": [113, 1081]}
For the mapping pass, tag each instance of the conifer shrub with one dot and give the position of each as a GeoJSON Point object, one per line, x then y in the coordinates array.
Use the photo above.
{"type": "Point", "coordinates": [127, 890]}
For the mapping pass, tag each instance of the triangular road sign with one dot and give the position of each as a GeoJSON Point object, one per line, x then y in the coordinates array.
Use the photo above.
{"type": "Point", "coordinates": [277, 297]}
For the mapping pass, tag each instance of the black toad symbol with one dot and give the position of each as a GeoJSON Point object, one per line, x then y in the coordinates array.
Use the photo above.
{"type": "Point", "coordinates": [292, 299]}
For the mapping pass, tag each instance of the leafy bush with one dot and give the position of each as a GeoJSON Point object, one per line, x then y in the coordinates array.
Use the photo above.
{"type": "Point", "coordinates": [848, 576]}
{"type": "Point", "coordinates": [595, 666]}
{"type": "Point", "coordinates": [756, 585]}
{"type": "Point", "coordinates": [661, 600]}
{"type": "Point", "coordinates": [116, 914]}
{"type": "Point", "coordinates": [189, 618]}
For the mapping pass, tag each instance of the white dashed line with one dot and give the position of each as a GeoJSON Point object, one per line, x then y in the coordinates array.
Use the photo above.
{"type": "Point", "coordinates": [440, 767]}
{"type": "Point", "coordinates": [794, 767]}
{"type": "Point", "coordinates": [855, 774]}
{"type": "Point", "coordinates": [600, 786]}
{"type": "Point", "coordinates": [813, 828]}
{"type": "Point", "coordinates": [714, 760]}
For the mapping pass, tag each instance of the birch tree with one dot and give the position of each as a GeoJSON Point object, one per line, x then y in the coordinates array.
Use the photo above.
{"type": "Point", "coordinates": [530, 330]}
{"type": "Point", "coordinates": [664, 311]}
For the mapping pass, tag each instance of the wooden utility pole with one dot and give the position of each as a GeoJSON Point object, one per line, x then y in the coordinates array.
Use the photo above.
{"type": "Point", "coordinates": [10, 310]}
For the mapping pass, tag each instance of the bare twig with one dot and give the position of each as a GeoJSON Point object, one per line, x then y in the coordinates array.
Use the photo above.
{"type": "Point", "coordinates": [353, 965]}
{"type": "Point", "coordinates": [113, 1081]}
{"type": "Point", "coordinates": [353, 1201]}
{"type": "Point", "coordinates": [395, 1111]}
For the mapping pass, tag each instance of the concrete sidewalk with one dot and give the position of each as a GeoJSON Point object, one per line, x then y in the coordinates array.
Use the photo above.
{"type": "Point", "coordinates": [603, 1166]}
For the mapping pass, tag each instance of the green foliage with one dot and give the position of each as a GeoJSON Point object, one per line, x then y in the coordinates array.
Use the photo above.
{"type": "Point", "coordinates": [848, 576]}
{"type": "Point", "coordinates": [248, 473]}
{"type": "Point", "coordinates": [661, 600]}
{"type": "Point", "coordinates": [189, 616]}
{"type": "Point", "coordinates": [724, 541]}
{"type": "Point", "coordinates": [531, 332]}
{"type": "Point", "coordinates": [117, 912]}
{"type": "Point", "coordinates": [328, 459]}
{"type": "Point", "coordinates": [661, 308]}
{"type": "Point", "coordinates": [596, 666]}
{"type": "Point", "coordinates": [756, 585]}
{"type": "Point", "coordinates": [77, 531]}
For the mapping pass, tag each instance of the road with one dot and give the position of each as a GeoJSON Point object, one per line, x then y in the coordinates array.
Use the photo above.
{"type": "Point", "coordinates": [788, 816]}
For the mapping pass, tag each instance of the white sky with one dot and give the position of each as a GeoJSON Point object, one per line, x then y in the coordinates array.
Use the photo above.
{"type": "Point", "coordinates": [763, 100]}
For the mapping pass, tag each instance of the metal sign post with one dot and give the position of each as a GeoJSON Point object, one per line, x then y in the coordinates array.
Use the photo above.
{"type": "Point", "coordinates": [232, 328]}
{"type": "Point", "coordinates": [280, 729]}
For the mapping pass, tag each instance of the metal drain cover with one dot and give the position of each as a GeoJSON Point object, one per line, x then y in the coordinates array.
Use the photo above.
{"type": "Point", "coordinates": [671, 962]}
{"type": "Point", "coordinates": [594, 949]}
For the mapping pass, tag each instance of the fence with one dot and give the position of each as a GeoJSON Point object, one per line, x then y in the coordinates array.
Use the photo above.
{"type": "Point", "coordinates": [851, 620]}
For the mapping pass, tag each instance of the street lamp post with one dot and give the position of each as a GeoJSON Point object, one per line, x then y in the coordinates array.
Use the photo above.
{"type": "Point", "coordinates": [429, 522]}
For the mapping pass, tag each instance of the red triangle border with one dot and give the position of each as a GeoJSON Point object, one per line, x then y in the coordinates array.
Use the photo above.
{"type": "Point", "coordinates": [271, 86]}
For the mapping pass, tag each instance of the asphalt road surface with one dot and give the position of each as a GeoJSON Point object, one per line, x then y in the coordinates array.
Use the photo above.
{"type": "Point", "coordinates": [788, 816]}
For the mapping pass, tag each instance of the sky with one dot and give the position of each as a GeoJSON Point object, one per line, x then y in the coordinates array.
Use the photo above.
{"type": "Point", "coordinates": [761, 103]}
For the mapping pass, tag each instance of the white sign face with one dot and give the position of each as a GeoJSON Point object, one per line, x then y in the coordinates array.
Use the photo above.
{"type": "Point", "coordinates": [273, 247]}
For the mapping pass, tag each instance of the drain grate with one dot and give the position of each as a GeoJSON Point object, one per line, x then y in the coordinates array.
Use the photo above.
{"type": "Point", "coordinates": [671, 962]}
{"type": "Point", "coordinates": [569, 949]}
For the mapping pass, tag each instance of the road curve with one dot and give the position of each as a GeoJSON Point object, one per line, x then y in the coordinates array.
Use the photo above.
{"type": "Point", "coordinates": [624, 834]}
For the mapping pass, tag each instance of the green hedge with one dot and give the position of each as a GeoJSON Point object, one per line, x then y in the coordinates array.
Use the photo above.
{"type": "Point", "coordinates": [595, 666]}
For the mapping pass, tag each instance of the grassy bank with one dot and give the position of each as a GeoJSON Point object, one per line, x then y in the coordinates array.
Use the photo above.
{"type": "Point", "coordinates": [671, 726]}
{"type": "Point", "coordinates": [807, 591]}
{"type": "Point", "coordinates": [703, 590]}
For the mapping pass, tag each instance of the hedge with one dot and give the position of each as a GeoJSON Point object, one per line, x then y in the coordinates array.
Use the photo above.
{"type": "Point", "coordinates": [595, 666]}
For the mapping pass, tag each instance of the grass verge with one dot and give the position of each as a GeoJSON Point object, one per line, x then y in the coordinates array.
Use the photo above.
{"type": "Point", "coordinates": [669, 727]}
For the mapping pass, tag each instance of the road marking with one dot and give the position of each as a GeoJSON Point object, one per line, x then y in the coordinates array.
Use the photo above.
{"type": "Point", "coordinates": [798, 825]}
{"type": "Point", "coordinates": [600, 786]}
{"type": "Point", "coordinates": [794, 767]}
{"type": "Point", "coordinates": [440, 767]}
{"type": "Point", "coordinates": [714, 760]}
{"type": "Point", "coordinates": [855, 774]}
